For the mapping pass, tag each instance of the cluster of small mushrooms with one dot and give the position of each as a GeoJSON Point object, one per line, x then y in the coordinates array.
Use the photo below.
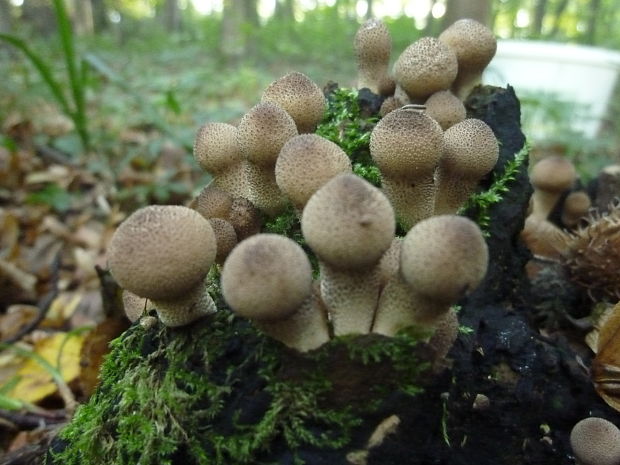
{"type": "Point", "coordinates": [430, 157]}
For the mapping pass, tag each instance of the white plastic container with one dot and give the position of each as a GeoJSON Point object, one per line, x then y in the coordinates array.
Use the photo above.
{"type": "Point", "coordinates": [581, 77]}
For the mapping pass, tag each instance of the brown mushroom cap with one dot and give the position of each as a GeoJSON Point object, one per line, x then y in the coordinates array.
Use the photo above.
{"type": "Point", "coordinates": [576, 206]}
{"type": "Point", "coordinates": [406, 144]}
{"type": "Point", "coordinates": [473, 43]}
{"type": "Point", "coordinates": [425, 67]}
{"type": "Point", "coordinates": [348, 223]}
{"type": "Point", "coordinates": [263, 131]}
{"type": "Point", "coordinates": [133, 305]}
{"type": "Point", "coordinates": [389, 104]}
{"type": "Point", "coordinates": [596, 441]}
{"type": "Point", "coordinates": [216, 147]}
{"type": "Point", "coordinates": [244, 217]}
{"type": "Point", "coordinates": [373, 45]}
{"type": "Point", "coordinates": [445, 108]}
{"type": "Point", "coordinates": [554, 174]}
{"type": "Point", "coordinates": [305, 163]}
{"type": "Point", "coordinates": [161, 252]}
{"type": "Point", "coordinates": [266, 277]}
{"type": "Point", "coordinates": [213, 202]}
{"type": "Point", "coordinates": [300, 97]}
{"type": "Point", "coordinates": [444, 257]}
{"type": "Point", "coordinates": [470, 149]}
{"type": "Point", "coordinates": [225, 238]}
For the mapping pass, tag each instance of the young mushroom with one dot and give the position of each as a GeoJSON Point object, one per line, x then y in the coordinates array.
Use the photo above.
{"type": "Point", "coordinates": [262, 132]}
{"type": "Point", "coordinates": [470, 152]}
{"type": "Point", "coordinates": [216, 149]}
{"type": "Point", "coordinates": [425, 67]}
{"type": "Point", "coordinates": [225, 238]}
{"type": "Point", "coordinates": [348, 223]}
{"type": "Point", "coordinates": [443, 258]}
{"type": "Point", "coordinates": [445, 108]}
{"type": "Point", "coordinates": [595, 441]}
{"type": "Point", "coordinates": [475, 46]}
{"type": "Point", "coordinates": [373, 45]}
{"type": "Point", "coordinates": [406, 146]}
{"type": "Point", "coordinates": [550, 177]}
{"type": "Point", "coordinates": [305, 163]}
{"type": "Point", "coordinates": [163, 253]}
{"type": "Point", "coordinates": [268, 279]}
{"type": "Point", "coordinates": [575, 207]}
{"type": "Point", "coordinates": [300, 97]}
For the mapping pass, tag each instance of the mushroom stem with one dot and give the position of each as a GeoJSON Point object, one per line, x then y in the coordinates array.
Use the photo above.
{"type": "Point", "coordinates": [234, 180]}
{"type": "Point", "coordinates": [351, 298]}
{"type": "Point", "coordinates": [452, 193]}
{"type": "Point", "coordinates": [186, 309]}
{"type": "Point", "coordinates": [264, 191]}
{"type": "Point", "coordinates": [412, 199]}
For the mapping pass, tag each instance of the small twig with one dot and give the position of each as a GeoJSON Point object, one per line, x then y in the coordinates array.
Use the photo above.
{"type": "Point", "coordinates": [30, 420]}
{"type": "Point", "coordinates": [53, 155]}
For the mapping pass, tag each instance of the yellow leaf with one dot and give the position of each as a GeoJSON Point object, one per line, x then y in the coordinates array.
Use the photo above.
{"type": "Point", "coordinates": [36, 382]}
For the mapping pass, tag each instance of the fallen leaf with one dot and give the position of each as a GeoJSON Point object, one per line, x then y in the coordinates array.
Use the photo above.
{"type": "Point", "coordinates": [605, 369]}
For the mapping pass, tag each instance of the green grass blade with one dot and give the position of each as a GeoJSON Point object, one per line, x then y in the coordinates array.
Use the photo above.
{"type": "Point", "coordinates": [43, 69]}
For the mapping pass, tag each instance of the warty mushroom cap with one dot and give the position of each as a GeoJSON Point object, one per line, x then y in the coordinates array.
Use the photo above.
{"type": "Point", "coordinates": [444, 257]}
{"type": "Point", "coordinates": [373, 43]}
{"type": "Point", "coordinates": [300, 97]}
{"type": "Point", "coordinates": [213, 202]}
{"type": "Point", "coordinates": [596, 441]}
{"type": "Point", "coordinates": [576, 206]}
{"type": "Point", "coordinates": [470, 149]}
{"type": "Point", "coordinates": [263, 131]}
{"type": "Point", "coordinates": [445, 108]}
{"type": "Point", "coordinates": [473, 43]}
{"type": "Point", "coordinates": [133, 305]}
{"type": "Point", "coordinates": [225, 238]}
{"type": "Point", "coordinates": [425, 67]}
{"type": "Point", "coordinates": [406, 144]}
{"type": "Point", "coordinates": [348, 223]}
{"type": "Point", "coordinates": [244, 217]}
{"type": "Point", "coordinates": [305, 163]}
{"type": "Point", "coordinates": [161, 252]}
{"type": "Point", "coordinates": [216, 147]}
{"type": "Point", "coordinates": [553, 174]}
{"type": "Point", "coordinates": [266, 277]}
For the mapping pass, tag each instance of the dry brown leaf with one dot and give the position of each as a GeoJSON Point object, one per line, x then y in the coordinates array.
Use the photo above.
{"type": "Point", "coordinates": [16, 317]}
{"type": "Point", "coordinates": [9, 234]}
{"type": "Point", "coordinates": [605, 369]}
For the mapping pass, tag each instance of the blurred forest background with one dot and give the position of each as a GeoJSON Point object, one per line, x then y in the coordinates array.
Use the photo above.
{"type": "Point", "coordinates": [99, 104]}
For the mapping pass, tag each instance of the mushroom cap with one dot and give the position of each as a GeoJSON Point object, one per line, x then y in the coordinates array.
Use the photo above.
{"type": "Point", "coordinates": [225, 238]}
{"type": "Point", "coordinates": [305, 163]}
{"type": "Point", "coordinates": [596, 441]}
{"type": "Point", "coordinates": [216, 147]}
{"type": "Point", "coordinates": [553, 174]}
{"type": "Point", "coordinates": [473, 43]}
{"type": "Point", "coordinates": [444, 257]}
{"type": "Point", "coordinates": [389, 104]}
{"type": "Point", "coordinates": [161, 252]}
{"type": "Point", "coordinates": [263, 131]}
{"type": "Point", "coordinates": [576, 204]}
{"type": "Point", "coordinates": [348, 223]}
{"type": "Point", "coordinates": [213, 202]}
{"type": "Point", "coordinates": [133, 305]}
{"type": "Point", "coordinates": [300, 97]}
{"type": "Point", "coordinates": [470, 149]}
{"type": "Point", "coordinates": [266, 277]}
{"type": "Point", "coordinates": [425, 67]}
{"type": "Point", "coordinates": [406, 144]}
{"type": "Point", "coordinates": [373, 43]}
{"type": "Point", "coordinates": [445, 108]}
{"type": "Point", "coordinates": [244, 217]}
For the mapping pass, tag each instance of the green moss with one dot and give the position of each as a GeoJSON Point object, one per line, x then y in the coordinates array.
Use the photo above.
{"type": "Point", "coordinates": [181, 395]}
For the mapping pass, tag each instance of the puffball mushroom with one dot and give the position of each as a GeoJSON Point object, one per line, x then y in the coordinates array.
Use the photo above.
{"type": "Point", "coordinates": [268, 279]}
{"type": "Point", "coordinates": [373, 45]}
{"type": "Point", "coordinates": [225, 238]}
{"type": "Point", "coordinates": [133, 305]}
{"type": "Point", "coordinates": [576, 206]}
{"type": "Point", "coordinates": [406, 146]}
{"type": "Point", "coordinates": [300, 97]}
{"type": "Point", "coordinates": [550, 177]}
{"type": "Point", "coordinates": [217, 150]}
{"type": "Point", "coordinates": [262, 132]}
{"type": "Point", "coordinates": [163, 253]}
{"type": "Point", "coordinates": [348, 223]}
{"type": "Point", "coordinates": [212, 202]}
{"type": "Point", "coordinates": [443, 258]}
{"type": "Point", "coordinates": [596, 441]}
{"type": "Point", "coordinates": [305, 163]}
{"type": "Point", "coordinates": [475, 47]}
{"type": "Point", "coordinates": [445, 108]}
{"type": "Point", "coordinates": [425, 67]}
{"type": "Point", "coordinates": [470, 152]}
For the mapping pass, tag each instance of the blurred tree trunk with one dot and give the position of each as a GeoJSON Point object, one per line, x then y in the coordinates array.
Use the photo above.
{"type": "Point", "coordinates": [40, 16]}
{"type": "Point", "coordinates": [250, 11]}
{"type": "Point", "coordinates": [540, 9]}
{"type": "Point", "coordinates": [285, 9]}
{"type": "Point", "coordinates": [369, 11]}
{"type": "Point", "coordinates": [6, 19]}
{"type": "Point", "coordinates": [232, 39]}
{"type": "Point", "coordinates": [593, 15]}
{"type": "Point", "coordinates": [480, 10]}
{"type": "Point", "coordinates": [170, 15]}
{"type": "Point", "coordinates": [559, 11]}
{"type": "Point", "coordinates": [430, 26]}
{"type": "Point", "coordinates": [100, 15]}
{"type": "Point", "coordinates": [83, 17]}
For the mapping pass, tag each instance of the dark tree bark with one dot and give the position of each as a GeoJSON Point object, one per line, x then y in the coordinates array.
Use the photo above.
{"type": "Point", "coordinates": [540, 9]}
{"type": "Point", "coordinates": [480, 10]}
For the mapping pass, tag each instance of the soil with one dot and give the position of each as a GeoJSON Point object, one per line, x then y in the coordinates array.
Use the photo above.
{"type": "Point", "coordinates": [515, 384]}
